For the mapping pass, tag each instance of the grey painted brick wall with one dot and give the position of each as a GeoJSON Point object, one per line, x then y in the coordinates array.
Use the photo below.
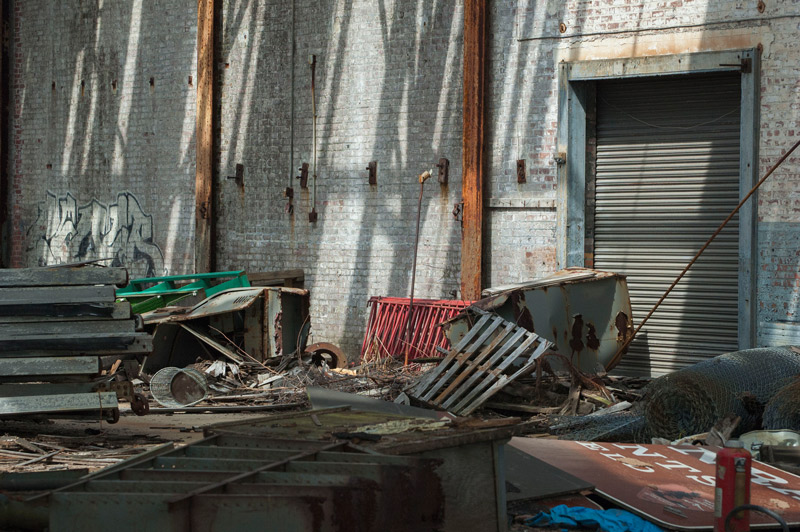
{"type": "Point", "coordinates": [103, 133]}
{"type": "Point", "coordinates": [388, 90]}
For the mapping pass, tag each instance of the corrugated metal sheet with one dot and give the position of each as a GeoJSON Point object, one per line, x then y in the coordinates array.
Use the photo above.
{"type": "Point", "coordinates": [667, 175]}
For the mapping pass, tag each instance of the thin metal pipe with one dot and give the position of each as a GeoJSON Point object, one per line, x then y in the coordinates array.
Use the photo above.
{"type": "Point", "coordinates": [314, 127]}
{"type": "Point", "coordinates": [708, 242]}
{"type": "Point", "coordinates": [422, 178]}
{"type": "Point", "coordinates": [291, 105]}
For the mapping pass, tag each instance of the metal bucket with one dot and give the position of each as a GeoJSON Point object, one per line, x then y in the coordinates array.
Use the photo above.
{"type": "Point", "coordinates": [178, 387]}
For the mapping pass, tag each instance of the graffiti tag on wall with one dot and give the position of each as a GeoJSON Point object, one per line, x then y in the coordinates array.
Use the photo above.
{"type": "Point", "coordinates": [121, 231]}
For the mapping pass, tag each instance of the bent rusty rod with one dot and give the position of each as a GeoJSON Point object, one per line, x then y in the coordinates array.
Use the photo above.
{"type": "Point", "coordinates": [708, 242]}
{"type": "Point", "coordinates": [422, 178]}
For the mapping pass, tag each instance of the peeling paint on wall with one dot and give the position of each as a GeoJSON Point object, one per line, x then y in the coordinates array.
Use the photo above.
{"type": "Point", "coordinates": [64, 232]}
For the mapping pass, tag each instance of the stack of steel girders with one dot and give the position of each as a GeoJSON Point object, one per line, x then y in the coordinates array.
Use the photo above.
{"type": "Point", "coordinates": [56, 326]}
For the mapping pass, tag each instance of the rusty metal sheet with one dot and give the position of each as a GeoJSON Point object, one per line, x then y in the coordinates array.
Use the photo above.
{"type": "Point", "coordinates": [586, 313]}
{"type": "Point", "coordinates": [220, 303]}
{"type": "Point", "coordinates": [671, 485]}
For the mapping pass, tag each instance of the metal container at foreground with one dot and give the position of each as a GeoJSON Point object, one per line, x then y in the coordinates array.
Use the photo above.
{"type": "Point", "coordinates": [586, 313]}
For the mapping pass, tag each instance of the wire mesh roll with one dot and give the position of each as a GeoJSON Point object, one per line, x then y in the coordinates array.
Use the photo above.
{"type": "Point", "coordinates": [616, 427]}
{"type": "Point", "coordinates": [690, 400]}
{"type": "Point", "coordinates": [783, 410]}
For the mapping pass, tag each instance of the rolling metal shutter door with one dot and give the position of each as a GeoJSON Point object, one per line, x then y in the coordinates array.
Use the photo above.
{"type": "Point", "coordinates": [667, 175]}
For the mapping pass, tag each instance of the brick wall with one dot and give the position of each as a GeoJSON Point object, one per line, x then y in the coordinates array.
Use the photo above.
{"type": "Point", "coordinates": [388, 81]}
{"type": "Point", "coordinates": [103, 133]}
{"type": "Point", "coordinates": [388, 89]}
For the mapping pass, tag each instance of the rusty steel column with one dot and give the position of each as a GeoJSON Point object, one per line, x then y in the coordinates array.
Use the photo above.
{"type": "Point", "coordinates": [472, 148]}
{"type": "Point", "coordinates": [5, 128]}
{"type": "Point", "coordinates": [204, 199]}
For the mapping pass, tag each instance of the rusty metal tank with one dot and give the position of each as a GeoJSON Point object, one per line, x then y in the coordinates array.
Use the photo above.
{"type": "Point", "coordinates": [586, 313]}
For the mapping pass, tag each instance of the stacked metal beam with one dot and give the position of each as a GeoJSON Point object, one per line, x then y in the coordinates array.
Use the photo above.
{"type": "Point", "coordinates": [55, 325]}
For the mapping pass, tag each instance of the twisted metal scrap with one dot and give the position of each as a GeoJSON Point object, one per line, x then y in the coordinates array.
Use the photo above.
{"type": "Point", "coordinates": [783, 410]}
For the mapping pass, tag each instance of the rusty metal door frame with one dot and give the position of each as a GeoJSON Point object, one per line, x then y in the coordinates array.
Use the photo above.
{"type": "Point", "coordinates": [575, 98]}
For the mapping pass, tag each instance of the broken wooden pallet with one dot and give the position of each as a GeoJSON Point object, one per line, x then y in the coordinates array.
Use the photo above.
{"type": "Point", "coordinates": [492, 354]}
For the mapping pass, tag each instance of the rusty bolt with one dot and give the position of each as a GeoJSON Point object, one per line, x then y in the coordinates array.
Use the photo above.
{"type": "Point", "coordinates": [761, 6]}
{"type": "Point", "coordinates": [562, 28]}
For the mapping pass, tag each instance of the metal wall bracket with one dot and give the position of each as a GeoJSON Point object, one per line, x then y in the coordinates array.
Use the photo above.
{"type": "Point", "coordinates": [239, 177]}
{"type": "Point", "coordinates": [521, 177]}
{"type": "Point", "coordinates": [372, 169]}
{"type": "Point", "coordinates": [303, 177]}
{"type": "Point", "coordinates": [746, 65]}
{"type": "Point", "coordinates": [444, 170]}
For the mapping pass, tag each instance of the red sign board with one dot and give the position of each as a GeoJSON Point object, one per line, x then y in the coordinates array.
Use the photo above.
{"type": "Point", "coordinates": [670, 485]}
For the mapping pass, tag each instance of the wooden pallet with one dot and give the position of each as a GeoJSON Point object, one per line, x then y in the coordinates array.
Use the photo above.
{"type": "Point", "coordinates": [492, 354]}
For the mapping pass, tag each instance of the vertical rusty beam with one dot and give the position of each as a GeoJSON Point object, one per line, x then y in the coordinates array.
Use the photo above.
{"type": "Point", "coordinates": [472, 147]}
{"type": "Point", "coordinates": [204, 198]}
{"type": "Point", "coordinates": [5, 128]}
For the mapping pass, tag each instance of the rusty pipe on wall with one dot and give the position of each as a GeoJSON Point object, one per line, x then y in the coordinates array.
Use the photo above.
{"type": "Point", "coordinates": [422, 178]}
{"type": "Point", "coordinates": [708, 242]}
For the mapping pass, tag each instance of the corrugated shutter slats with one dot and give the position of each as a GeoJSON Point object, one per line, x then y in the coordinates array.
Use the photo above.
{"type": "Point", "coordinates": [667, 175]}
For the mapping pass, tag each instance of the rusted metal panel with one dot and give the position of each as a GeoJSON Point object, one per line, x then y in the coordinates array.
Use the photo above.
{"type": "Point", "coordinates": [672, 486]}
{"type": "Point", "coordinates": [472, 144]}
{"type": "Point", "coordinates": [388, 315]}
{"type": "Point", "coordinates": [585, 313]}
{"type": "Point", "coordinates": [238, 482]}
{"type": "Point", "coordinates": [204, 211]}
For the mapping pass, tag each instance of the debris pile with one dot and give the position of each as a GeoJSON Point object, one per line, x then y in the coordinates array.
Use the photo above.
{"type": "Point", "coordinates": [252, 385]}
{"type": "Point", "coordinates": [58, 452]}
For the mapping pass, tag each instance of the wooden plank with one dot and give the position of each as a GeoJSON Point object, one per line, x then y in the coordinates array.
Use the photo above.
{"type": "Point", "coordinates": [469, 386]}
{"type": "Point", "coordinates": [504, 379]}
{"type": "Point", "coordinates": [41, 366]}
{"type": "Point", "coordinates": [429, 377]}
{"type": "Point", "coordinates": [120, 310]}
{"type": "Point", "coordinates": [57, 328]}
{"type": "Point", "coordinates": [56, 295]}
{"type": "Point", "coordinates": [78, 343]}
{"type": "Point", "coordinates": [204, 206]}
{"type": "Point", "coordinates": [290, 278]}
{"type": "Point", "coordinates": [42, 404]}
{"type": "Point", "coordinates": [477, 344]}
{"type": "Point", "coordinates": [472, 148]}
{"type": "Point", "coordinates": [472, 363]}
{"type": "Point", "coordinates": [480, 368]}
{"type": "Point", "coordinates": [66, 276]}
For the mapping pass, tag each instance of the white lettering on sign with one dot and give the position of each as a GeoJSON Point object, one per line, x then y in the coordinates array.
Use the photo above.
{"type": "Point", "coordinates": [640, 450]}
{"type": "Point", "coordinates": [706, 480]}
{"type": "Point", "coordinates": [706, 456]}
{"type": "Point", "coordinates": [763, 478]}
{"type": "Point", "coordinates": [591, 446]}
{"type": "Point", "coordinates": [674, 464]}
{"type": "Point", "coordinates": [643, 468]}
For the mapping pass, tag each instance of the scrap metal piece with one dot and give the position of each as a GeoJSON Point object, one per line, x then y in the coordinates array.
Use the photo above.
{"type": "Point", "coordinates": [586, 313]}
{"type": "Point", "coordinates": [385, 331]}
{"type": "Point", "coordinates": [330, 353]}
{"type": "Point", "coordinates": [239, 482]}
{"type": "Point", "coordinates": [325, 398]}
{"type": "Point", "coordinates": [491, 355]}
{"type": "Point", "coordinates": [646, 479]}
